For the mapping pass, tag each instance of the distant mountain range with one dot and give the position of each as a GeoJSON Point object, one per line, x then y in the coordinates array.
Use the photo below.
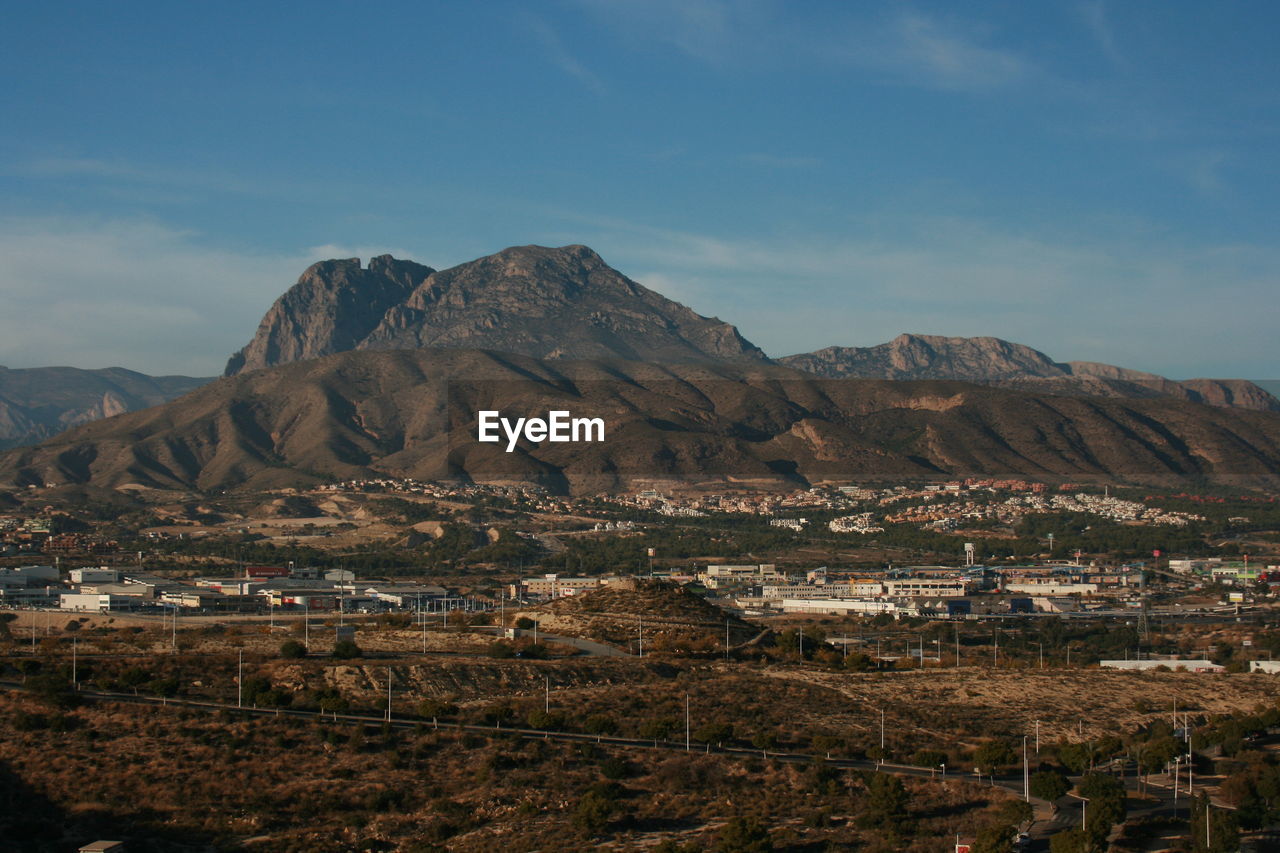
{"type": "Point", "coordinates": [350, 370]}
{"type": "Point", "coordinates": [993, 361]}
{"type": "Point", "coordinates": [39, 402]}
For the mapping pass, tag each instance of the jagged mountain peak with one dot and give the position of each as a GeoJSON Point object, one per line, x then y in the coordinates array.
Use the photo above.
{"type": "Point", "coordinates": [540, 301]}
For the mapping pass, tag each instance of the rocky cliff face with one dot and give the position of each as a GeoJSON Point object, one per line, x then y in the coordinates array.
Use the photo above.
{"type": "Point", "coordinates": [333, 308]}
{"type": "Point", "coordinates": [528, 300]}
{"type": "Point", "coordinates": [992, 361]}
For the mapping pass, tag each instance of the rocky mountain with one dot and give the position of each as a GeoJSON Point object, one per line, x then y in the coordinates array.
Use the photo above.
{"type": "Point", "coordinates": [530, 300]}
{"type": "Point", "coordinates": [38, 402]}
{"type": "Point", "coordinates": [992, 361]}
{"type": "Point", "coordinates": [333, 308]}
{"type": "Point", "coordinates": [413, 413]}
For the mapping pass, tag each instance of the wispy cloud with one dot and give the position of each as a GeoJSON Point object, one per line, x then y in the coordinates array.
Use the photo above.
{"type": "Point", "coordinates": [906, 46]}
{"type": "Point", "coordinates": [560, 56]}
{"type": "Point", "coordinates": [936, 53]}
{"type": "Point", "coordinates": [1204, 173]}
{"type": "Point", "coordinates": [709, 31]}
{"type": "Point", "coordinates": [1098, 22]}
{"type": "Point", "coordinates": [133, 293]}
{"type": "Point", "coordinates": [126, 173]}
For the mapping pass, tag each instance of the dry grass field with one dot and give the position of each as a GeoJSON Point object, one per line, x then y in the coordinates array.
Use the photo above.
{"type": "Point", "coordinates": [170, 779]}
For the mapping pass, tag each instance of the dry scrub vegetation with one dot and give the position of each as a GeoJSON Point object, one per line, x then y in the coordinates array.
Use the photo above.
{"type": "Point", "coordinates": [171, 779]}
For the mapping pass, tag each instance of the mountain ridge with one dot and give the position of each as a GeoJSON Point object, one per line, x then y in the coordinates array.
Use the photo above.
{"type": "Point", "coordinates": [37, 403]}
{"type": "Point", "coordinates": [410, 413]}
{"type": "Point", "coordinates": [995, 361]}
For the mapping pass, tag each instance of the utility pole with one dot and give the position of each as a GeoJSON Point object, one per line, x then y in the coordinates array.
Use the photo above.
{"type": "Point", "coordinates": [1037, 737]}
{"type": "Point", "coordinates": [726, 639]}
{"type": "Point", "coordinates": [240, 681]}
{"type": "Point", "coordinates": [995, 650]}
{"type": "Point", "coordinates": [73, 662]}
{"type": "Point", "coordinates": [641, 618]}
{"type": "Point", "coordinates": [306, 623]}
{"type": "Point", "coordinates": [388, 694]}
{"type": "Point", "coordinates": [882, 735]}
{"type": "Point", "coordinates": [546, 704]}
{"type": "Point", "coordinates": [957, 647]}
{"type": "Point", "coordinates": [1042, 655]}
{"type": "Point", "coordinates": [686, 722]}
{"type": "Point", "coordinates": [1026, 772]}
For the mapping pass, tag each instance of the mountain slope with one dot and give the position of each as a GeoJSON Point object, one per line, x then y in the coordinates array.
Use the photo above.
{"type": "Point", "coordinates": [412, 413]}
{"type": "Point", "coordinates": [528, 300]}
{"type": "Point", "coordinates": [38, 402]}
{"type": "Point", "coordinates": [993, 361]}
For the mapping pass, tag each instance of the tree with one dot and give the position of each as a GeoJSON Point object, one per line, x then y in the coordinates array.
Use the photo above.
{"type": "Point", "coordinates": [1071, 841]}
{"type": "Point", "coordinates": [716, 733]}
{"type": "Point", "coordinates": [1224, 833]}
{"type": "Point", "coordinates": [744, 835]}
{"type": "Point", "coordinates": [886, 802]}
{"type": "Point", "coordinates": [593, 812]}
{"type": "Point", "coordinates": [1015, 812]}
{"type": "Point", "coordinates": [657, 729]}
{"type": "Point", "coordinates": [1049, 785]}
{"type": "Point", "coordinates": [994, 838]}
{"type": "Point", "coordinates": [346, 650]}
{"type": "Point", "coordinates": [600, 724]}
{"type": "Point", "coordinates": [292, 650]}
{"type": "Point", "coordinates": [928, 758]}
{"type": "Point", "coordinates": [993, 754]}
{"type": "Point", "coordinates": [53, 690]}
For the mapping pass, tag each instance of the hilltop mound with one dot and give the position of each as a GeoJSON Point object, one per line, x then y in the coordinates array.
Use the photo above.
{"type": "Point", "coordinates": [674, 619]}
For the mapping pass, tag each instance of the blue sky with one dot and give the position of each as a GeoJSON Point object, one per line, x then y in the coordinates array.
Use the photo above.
{"type": "Point", "coordinates": [1097, 180]}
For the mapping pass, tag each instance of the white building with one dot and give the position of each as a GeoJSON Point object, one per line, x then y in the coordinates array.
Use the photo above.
{"type": "Point", "coordinates": [845, 606]}
{"type": "Point", "coordinates": [96, 602]}
{"type": "Point", "coordinates": [99, 575]}
{"type": "Point", "coordinates": [912, 588]}
{"type": "Point", "coordinates": [1047, 588]}
{"type": "Point", "coordinates": [1174, 664]}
